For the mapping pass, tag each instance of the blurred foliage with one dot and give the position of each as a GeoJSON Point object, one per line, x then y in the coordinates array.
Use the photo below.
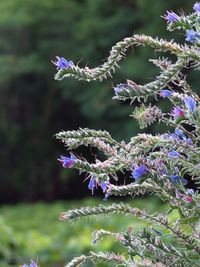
{"type": "Point", "coordinates": [34, 231]}
{"type": "Point", "coordinates": [33, 106]}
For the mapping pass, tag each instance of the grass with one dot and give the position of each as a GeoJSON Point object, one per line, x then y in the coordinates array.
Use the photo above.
{"type": "Point", "coordinates": [33, 231]}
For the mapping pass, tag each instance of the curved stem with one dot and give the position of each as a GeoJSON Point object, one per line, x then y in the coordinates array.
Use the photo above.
{"type": "Point", "coordinates": [117, 53]}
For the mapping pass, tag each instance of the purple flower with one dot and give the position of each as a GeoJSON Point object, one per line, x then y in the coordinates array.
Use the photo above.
{"type": "Point", "coordinates": [180, 133]}
{"type": "Point", "coordinates": [189, 142]}
{"type": "Point", "coordinates": [190, 192]}
{"type": "Point", "coordinates": [177, 179]}
{"type": "Point", "coordinates": [159, 165]}
{"type": "Point", "coordinates": [190, 103]}
{"type": "Point", "coordinates": [140, 171]}
{"type": "Point", "coordinates": [171, 136]}
{"type": "Point", "coordinates": [68, 162]}
{"type": "Point", "coordinates": [32, 264]}
{"type": "Point", "coordinates": [166, 93]}
{"type": "Point", "coordinates": [171, 16]}
{"type": "Point", "coordinates": [104, 185]}
{"type": "Point", "coordinates": [120, 88]}
{"type": "Point", "coordinates": [187, 198]}
{"type": "Point", "coordinates": [91, 184]}
{"type": "Point", "coordinates": [196, 7]}
{"type": "Point", "coordinates": [62, 63]}
{"type": "Point", "coordinates": [192, 36]}
{"type": "Point", "coordinates": [174, 153]}
{"type": "Point", "coordinates": [178, 112]}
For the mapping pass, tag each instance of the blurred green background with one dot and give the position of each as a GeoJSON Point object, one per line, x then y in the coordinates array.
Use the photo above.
{"type": "Point", "coordinates": [34, 231]}
{"type": "Point", "coordinates": [33, 107]}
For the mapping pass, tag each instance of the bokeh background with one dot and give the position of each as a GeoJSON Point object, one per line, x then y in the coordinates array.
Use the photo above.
{"type": "Point", "coordinates": [34, 187]}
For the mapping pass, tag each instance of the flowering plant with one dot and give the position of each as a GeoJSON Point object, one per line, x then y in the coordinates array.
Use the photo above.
{"type": "Point", "coordinates": [160, 164]}
{"type": "Point", "coordinates": [32, 264]}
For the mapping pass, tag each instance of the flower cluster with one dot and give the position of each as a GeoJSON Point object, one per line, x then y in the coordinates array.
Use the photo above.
{"type": "Point", "coordinates": [192, 35]}
{"type": "Point", "coordinates": [166, 165]}
{"type": "Point", "coordinates": [93, 183]}
{"type": "Point", "coordinates": [187, 197]}
{"type": "Point", "coordinates": [188, 101]}
{"type": "Point", "coordinates": [196, 7]}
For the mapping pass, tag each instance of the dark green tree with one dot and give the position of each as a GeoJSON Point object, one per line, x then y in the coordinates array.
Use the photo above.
{"type": "Point", "coordinates": [33, 107]}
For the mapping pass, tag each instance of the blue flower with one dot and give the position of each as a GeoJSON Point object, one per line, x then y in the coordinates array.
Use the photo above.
{"type": "Point", "coordinates": [189, 142]}
{"type": "Point", "coordinates": [192, 36]}
{"type": "Point", "coordinates": [62, 63]}
{"type": "Point", "coordinates": [190, 192]}
{"type": "Point", "coordinates": [170, 136]}
{"type": "Point", "coordinates": [177, 179]}
{"type": "Point", "coordinates": [104, 185]}
{"type": "Point", "coordinates": [196, 7]}
{"type": "Point", "coordinates": [120, 88]}
{"type": "Point", "coordinates": [171, 16]}
{"type": "Point", "coordinates": [139, 172]}
{"type": "Point", "coordinates": [32, 264]}
{"type": "Point", "coordinates": [174, 153]}
{"type": "Point", "coordinates": [91, 184]}
{"type": "Point", "coordinates": [180, 133]}
{"type": "Point", "coordinates": [178, 112]}
{"type": "Point", "coordinates": [190, 103]}
{"type": "Point", "coordinates": [68, 162]}
{"type": "Point", "coordinates": [166, 93]}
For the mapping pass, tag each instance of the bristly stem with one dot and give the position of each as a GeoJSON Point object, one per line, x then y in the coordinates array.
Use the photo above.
{"type": "Point", "coordinates": [100, 257]}
{"type": "Point", "coordinates": [117, 53]}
